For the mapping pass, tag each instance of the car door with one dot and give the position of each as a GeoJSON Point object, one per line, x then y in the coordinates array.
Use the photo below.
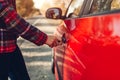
{"type": "Point", "coordinates": [92, 48]}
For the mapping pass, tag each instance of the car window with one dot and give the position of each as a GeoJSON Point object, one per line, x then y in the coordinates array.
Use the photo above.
{"type": "Point", "coordinates": [75, 7]}
{"type": "Point", "coordinates": [96, 7]}
{"type": "Point", "coordinates": [99, 6]}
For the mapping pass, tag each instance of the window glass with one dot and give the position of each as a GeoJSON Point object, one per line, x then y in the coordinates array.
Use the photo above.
{"type": "Point", "coordinates": [75, 7]}
{"type": "Point", "coordinates": [105, 5]}
{"type": "Point", "coordinates": [97, 6]}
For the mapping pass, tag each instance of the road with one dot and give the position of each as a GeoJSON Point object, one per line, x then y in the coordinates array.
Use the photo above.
{"type": "Point", "coordinates": [38, 58]}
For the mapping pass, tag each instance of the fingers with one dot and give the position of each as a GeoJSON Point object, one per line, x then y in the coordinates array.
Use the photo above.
{"type": "Point", "coordinates": [53, 41]}
{"type": "Point", "coordinates": [56, 43]}
{"type": "Point", "coordinates": [59, 42]}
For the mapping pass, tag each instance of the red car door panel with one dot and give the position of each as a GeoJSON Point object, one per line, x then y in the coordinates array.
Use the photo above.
{"type": "Point", "coordinates": [92, 50]}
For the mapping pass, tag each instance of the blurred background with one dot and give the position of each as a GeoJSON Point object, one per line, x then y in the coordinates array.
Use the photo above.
{"type": "Point", "coordinates": [29, 8]}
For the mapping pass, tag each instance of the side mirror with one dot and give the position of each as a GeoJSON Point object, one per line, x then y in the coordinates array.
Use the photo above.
{"type": "Point", "coordinates": [54, 13]}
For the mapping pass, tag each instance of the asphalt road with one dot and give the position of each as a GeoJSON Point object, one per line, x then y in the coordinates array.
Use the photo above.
{"type": "Point", "coordinates": [38, 58]}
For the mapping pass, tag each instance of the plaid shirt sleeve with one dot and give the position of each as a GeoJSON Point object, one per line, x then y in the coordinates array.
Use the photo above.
{"type": "Point", "coordinates": [19, 26]}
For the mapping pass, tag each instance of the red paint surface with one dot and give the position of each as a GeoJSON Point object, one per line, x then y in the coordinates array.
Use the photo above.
{"type": "Point", "coordinates": [92, 51]}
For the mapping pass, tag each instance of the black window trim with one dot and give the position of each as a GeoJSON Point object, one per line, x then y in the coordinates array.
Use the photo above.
{"type": "Point", "coordinates": [103, 13]}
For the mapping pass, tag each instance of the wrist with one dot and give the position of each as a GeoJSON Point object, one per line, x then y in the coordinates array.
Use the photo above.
{"type": "Point", "coordinates": [46, 41]}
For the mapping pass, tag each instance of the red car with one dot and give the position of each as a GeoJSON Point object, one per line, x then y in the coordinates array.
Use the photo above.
{"type": "Point", "coordinates": [91, 42]}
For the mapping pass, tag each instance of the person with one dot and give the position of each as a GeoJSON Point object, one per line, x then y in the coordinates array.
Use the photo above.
{"type": "Point", "coordinates": [12, 25]}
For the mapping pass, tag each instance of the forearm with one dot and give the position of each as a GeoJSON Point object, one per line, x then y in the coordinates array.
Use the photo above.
{"type": "Point", "coordinates": [19, 26]}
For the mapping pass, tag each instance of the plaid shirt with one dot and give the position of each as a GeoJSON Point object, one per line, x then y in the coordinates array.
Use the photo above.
{"type": "Point", "coordinates": [12, 26]}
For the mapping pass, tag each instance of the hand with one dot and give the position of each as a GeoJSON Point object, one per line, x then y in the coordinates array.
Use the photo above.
{"type": "Point", "coordinates": [52, 41]}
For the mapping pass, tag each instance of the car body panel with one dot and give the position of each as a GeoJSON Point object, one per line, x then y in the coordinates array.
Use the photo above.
{"type": "Point", "coordinates": [92, 48]}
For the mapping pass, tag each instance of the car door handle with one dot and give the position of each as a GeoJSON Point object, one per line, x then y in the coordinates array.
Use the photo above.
{"type": "Point", "coordinates": [64, 38]}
